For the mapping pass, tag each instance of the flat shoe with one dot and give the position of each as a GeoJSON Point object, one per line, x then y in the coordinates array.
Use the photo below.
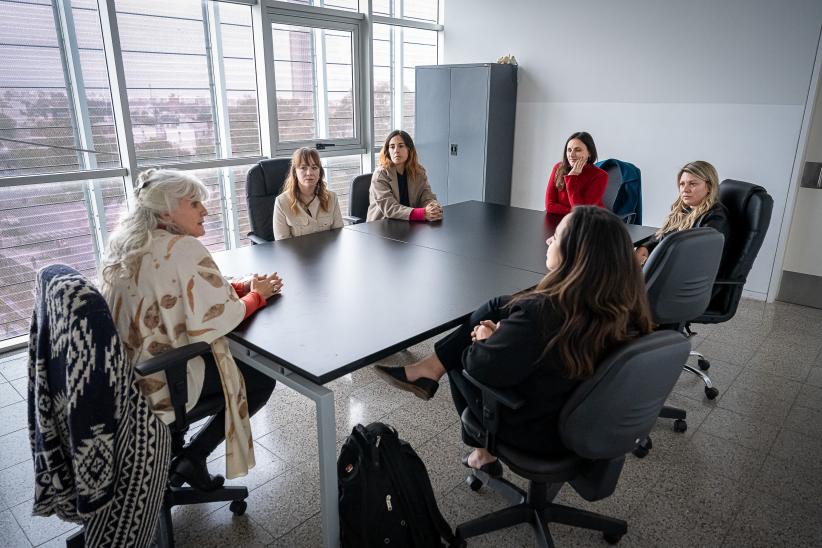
{"type": "Point", "coordinates": [422, 388]}
{"type": "Point", "coordinates": [493, 469]}
{"type": "Point", "coordinates": [186, 470]}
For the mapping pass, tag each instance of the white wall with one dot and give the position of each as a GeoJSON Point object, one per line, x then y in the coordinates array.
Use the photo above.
{"type": "Point", "coordinates": [657, 83]}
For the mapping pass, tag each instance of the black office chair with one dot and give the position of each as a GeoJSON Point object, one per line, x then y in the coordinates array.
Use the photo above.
{"type": "Point", "coordinates": [749, 212]}
{"type": "Point", "coordinates": [358, 199]}
{"type": "Point", "coordinates": [89, 321]}
{"type": "Point", "coordinates": [263, 184]}
{"type": "Point", "coordinates": [599, 424]}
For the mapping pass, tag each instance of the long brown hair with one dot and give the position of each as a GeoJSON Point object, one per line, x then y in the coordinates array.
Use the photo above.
{"type": "Point", "coordinates": [565, 166]}
{"type": "Point", "coordinates": [300, 157]}
{"type": "Point", "coordinates": [681, 216]}
{"type": "Point", "coordinates": [598, 288]}
{"type": "Point", "coordinates": [412, 165]}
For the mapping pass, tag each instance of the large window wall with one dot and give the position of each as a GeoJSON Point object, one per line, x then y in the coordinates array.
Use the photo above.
{"type": "Point", "coordinates": [94, 91]}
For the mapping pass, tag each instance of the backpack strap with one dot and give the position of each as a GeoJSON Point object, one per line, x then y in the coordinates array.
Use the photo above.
{"type": "Point", "coordinates": [434, 512]}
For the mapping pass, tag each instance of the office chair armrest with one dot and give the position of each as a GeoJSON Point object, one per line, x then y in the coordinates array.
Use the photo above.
{"type": "Point", "coordinates": [257, 239]}
{"type": "Point", "coordinates": [719, 281]}
{"type": "Point", "coordinates": [351, 220]}
{"type": "Point", "coordinates": [176, 357]}
{"type": "Point", "coordinates": [506, 396]}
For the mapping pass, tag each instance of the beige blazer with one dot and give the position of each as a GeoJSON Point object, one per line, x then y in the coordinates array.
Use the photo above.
{"type": "Point", "coordinates": [384, 195]}
{"type": "Point", "coordinates": [288, 224]}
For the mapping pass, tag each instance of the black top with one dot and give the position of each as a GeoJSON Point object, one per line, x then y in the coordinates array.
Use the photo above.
{"type": "Point", "coordinates": [716, 218]}
{"type": "Point", "coordinates": [402, 184]}
{"type": "Point", "coordinates": [514, 358]}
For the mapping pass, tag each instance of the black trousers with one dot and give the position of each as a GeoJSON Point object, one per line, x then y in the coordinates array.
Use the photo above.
{"type": "Point", "coordinates": [258, 389]}
{"type": "Point", "coordinates": [449, 350]}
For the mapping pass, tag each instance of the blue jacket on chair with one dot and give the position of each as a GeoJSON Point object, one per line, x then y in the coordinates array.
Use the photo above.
{"type": "Point", "coordinates": [629, 196]}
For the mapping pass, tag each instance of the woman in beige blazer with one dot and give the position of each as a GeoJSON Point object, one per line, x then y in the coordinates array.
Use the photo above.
{"type": "Point", "coordinates": [399, 187]}
{"type": "Point", "coordinates": [305, 205]}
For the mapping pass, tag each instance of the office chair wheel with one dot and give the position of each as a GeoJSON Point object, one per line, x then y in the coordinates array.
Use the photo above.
{"type": "Point", "coordinates": [612, 538]}
{"type": "Point", "coordinates": [711, 392]}
{"type": "Point", "coordinates": [703, 364]}
{"type": "Point", "coordinates": [680, 426]}
{"type": "Point", "coordinates": [474, 483]}
{"type": "Point", "coordinates": [238, 507]}
{"type": "Point", "coordinates": [642, 448]}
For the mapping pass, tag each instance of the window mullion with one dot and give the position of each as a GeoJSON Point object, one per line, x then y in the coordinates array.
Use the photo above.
{"type": "Point", "coordinates": [397, 76]}
{"type": "Point", "coordinates": [320, 84]}
{"type": "Point", "coordinates": [81, 121]}
{"type": "Point", "coordinates": [219, 110]}
{"type": "Point", "coordinates": [119, 96]}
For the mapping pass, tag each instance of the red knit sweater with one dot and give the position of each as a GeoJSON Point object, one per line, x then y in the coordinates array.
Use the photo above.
{"type": "Point", "coordinates": [587, 188]}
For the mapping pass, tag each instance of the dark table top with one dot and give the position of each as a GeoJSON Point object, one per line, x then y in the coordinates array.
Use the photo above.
{"type": "Point", "coordinates": [506, 235]}
{"type": "Point", "coordinates": [351, 298]}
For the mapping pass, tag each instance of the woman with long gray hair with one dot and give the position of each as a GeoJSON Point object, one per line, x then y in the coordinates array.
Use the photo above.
{"type": "Point", "coordinates": [165, 291]}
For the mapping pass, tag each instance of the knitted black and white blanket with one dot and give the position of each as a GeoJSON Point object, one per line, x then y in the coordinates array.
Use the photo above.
{"type": "Point", "coordinates": [101, 457]}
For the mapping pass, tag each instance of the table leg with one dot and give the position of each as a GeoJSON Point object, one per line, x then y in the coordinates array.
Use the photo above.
{"type": "Point", "coordinates": [329, 494]}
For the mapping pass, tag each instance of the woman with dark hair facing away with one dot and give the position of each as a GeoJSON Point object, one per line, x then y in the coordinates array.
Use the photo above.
{"type": "Point", "coordinates": [165, 291]}
{"type": "Point", "coordinates": [543, 342]}
{"type": "Point", "coordinates": [399, 186]}
{"type": "Point", "coordinates": [305, 205]}
{"type": "Point", "coordinates": [697, 205]}
{"type": "Point", "coordinates": [575, 180]}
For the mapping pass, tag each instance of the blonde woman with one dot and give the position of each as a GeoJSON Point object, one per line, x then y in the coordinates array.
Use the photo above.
{"type": "Point", "coordinates": [399, 187]}
{"type": "Point", "coordinates": [305, 205]}
{"type": "Point", "coordinates": [165, 291]}
{"type": "Point", "coordinates": [697, 205]}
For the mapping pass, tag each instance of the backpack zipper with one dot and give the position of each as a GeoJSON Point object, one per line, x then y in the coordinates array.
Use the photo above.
{"type": "Point", "coordinates": [388, 502]}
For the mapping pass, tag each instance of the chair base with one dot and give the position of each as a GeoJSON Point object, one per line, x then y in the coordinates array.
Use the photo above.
{"type": "Point", "coordinates": [535, 508]}
{"type": "Point", "coordinates": [180, 496]}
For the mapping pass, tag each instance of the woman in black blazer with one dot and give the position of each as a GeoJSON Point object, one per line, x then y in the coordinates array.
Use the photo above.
{"type": "Point", "coordinates": [543, 342]}
{"type": "Point", "coordinates": [697, 205]}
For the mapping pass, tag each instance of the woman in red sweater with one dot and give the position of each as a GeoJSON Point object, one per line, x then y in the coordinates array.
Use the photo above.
{"type": "Point", "coordinates": [576, 180]}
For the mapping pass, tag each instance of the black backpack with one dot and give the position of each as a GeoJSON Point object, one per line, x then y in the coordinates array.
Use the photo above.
{"type": "Point", "coordinates": [386, 497]}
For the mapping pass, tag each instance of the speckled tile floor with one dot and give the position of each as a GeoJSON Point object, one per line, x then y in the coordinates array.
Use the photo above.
{"type": "Point", "coordinates": [748, 472]}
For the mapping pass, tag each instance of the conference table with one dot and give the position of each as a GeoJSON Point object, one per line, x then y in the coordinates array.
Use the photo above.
{"type": "Point", "coordinates": [355, 295]}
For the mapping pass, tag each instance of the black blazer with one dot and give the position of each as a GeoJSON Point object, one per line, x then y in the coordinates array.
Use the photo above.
{"type": "Point", "coordinates": [513, 358]}
{"type": "Point", "coordinates": [716, 218]}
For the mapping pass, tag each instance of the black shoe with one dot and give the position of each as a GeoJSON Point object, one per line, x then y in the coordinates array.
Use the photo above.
{"type": "Point", "coordinates": [422, 388]}
{"type": "Point", "coordinates": [493, 469]}
{"type": "Point", "coordinates": [194, 472]}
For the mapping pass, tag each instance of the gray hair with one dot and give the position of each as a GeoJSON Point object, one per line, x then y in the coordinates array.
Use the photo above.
{"type": "Point", "coordinates": [158, 192]}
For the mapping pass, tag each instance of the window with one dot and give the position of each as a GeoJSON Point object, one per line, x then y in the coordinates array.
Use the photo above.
{"type": "Point", "coordinates": [54, 92]}
{"type": "Point", "coordinates": [420, 10]}
{"type": "Point", "coordinates": [315, 74]}
{"type": "Point", "coordinates": [397, 51]}
{"type": "Point", "coordinates": [47, 224]}
{"type": "Point", "coordinates": [192, 94]}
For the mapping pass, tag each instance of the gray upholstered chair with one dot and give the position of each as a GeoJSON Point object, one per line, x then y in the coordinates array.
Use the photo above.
{"type": "Point", "coordinates": [599, 424]}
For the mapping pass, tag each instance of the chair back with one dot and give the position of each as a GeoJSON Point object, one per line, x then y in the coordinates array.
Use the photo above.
{"type": "Point", "coordinates": [614, 184]}
{"type": "Point", "coordinates": [358, 196]}
{"type": "Point", "coordinates": [609, 413]}
{"type": "Point", "coordinates": [263, 183]}
{"type": "Point", "coordinates": [749, 213]}
{"type": "Point", "coordinates": [623, 193]}
{"type": "Point", "coordinates": [99, 451]}
{"type": "Point", "coordinates": [680, 274]}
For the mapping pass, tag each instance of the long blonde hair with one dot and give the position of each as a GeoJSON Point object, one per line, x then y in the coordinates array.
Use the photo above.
{"type": "Point", "coordinates": [681, 216]}
{"type": "Point", "coordinates": [291, 186]}
{"type": "Point", "coordinates": [159, 191]}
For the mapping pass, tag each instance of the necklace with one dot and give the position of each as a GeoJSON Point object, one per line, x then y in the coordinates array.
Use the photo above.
{"type": "Point", "coordinates": [306, 205]}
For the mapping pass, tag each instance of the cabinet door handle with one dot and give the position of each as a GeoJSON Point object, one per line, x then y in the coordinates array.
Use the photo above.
{"type": "Point", "coordinates": [454, 147]}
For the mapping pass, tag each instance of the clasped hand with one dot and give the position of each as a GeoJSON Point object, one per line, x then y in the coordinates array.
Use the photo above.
{"type": "Point", "coordinates": [267, 285]}
{"type": "Point", "coordinates": [433, 212]}
{"type": "Point", "coordinates": [485, 329]}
